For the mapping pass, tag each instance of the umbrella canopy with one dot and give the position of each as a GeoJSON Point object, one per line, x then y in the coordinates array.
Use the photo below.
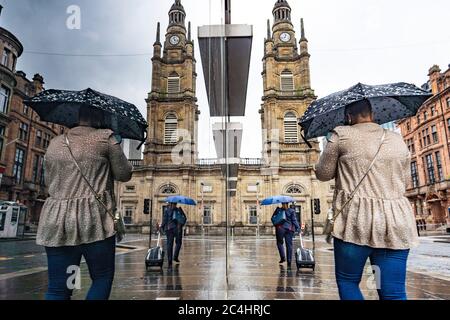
{"type": "Point", "coordinates": [63, 107]}
{"type": "Point", "coordinates": [389, 102]}
{"type": "Point", "coordinates": [276, 200]}
{"type": "Point", "coordinates": [181, 200]}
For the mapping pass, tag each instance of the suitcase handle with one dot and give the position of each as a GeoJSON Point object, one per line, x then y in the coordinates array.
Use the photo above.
{"type": "Point", "coordinates": [301, 239]}
{"type": "Point", "coordinates": [159, 239]}
{"type": "Point", "coordinates": [302, 245]}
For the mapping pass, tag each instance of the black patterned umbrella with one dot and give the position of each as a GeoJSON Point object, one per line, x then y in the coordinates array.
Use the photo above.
{"type": "Point", "coordinates": [389, 102]}
{"type": "Point", "coordinates": [63, 107]}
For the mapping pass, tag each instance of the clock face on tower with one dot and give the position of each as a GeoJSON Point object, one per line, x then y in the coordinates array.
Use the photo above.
{"type": "Point", "coordinates": [285, 37]}
{"type": "Point", "coordinates": [174, 40]}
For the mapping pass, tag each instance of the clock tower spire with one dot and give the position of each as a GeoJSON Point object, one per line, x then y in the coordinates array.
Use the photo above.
{"type": "Point", "coordinates": [287, 90]}
{"type": "Point", "coordinates": [283, 30]}
{"type": "Point", "coordinates": [172, 104]}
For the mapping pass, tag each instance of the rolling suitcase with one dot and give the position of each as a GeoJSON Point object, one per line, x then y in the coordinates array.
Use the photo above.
{"type": "Point", "coordinates": [304, 258]}
{"type": "Point", "coordinates": [155, 256]}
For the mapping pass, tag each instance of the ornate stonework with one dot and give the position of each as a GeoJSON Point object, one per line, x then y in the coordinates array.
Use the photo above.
{"type": "Point", "coordinates": [171, 163]}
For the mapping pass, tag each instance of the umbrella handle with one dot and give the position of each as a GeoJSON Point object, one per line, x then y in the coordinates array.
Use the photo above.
{"type": "Point", "coordinates": [306, 141]}
{"type": "Point", "coordinates": [140, 145]}
{"type": "Point", "coordinates": [145, 139]}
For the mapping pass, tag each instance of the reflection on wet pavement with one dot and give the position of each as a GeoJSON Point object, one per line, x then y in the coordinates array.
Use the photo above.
{"type": "Point", "coordinates": [254, 273]}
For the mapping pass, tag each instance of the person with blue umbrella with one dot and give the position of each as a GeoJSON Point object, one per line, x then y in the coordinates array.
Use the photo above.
{"type": "Point", "coordinates": [285, 221]}
{"type": "Point", "coordinates": [174, 220]}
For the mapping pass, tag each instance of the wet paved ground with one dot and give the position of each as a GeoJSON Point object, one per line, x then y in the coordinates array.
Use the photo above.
{"type": "Point", "coordinates": [254, 272]}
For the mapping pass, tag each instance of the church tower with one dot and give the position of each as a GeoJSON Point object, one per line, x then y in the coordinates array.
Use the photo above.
{"type": "Point", "coordinates": [287, 91]}
{"type": "Point", "coordinates": [172, 104]}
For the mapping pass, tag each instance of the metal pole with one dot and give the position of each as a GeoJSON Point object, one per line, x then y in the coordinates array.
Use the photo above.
{"type": "Point", "coordinates": [257, 209]}
{"type": "Point", "coordinates": [312, 213]}
{"type": "Point", "coordinates": [312, 222]}
{"type": "Point", "coordinates": [227, 11]}
{"type": "Point", "coordinates": [202, 209]}
{"type": "Point", "coordinates": [227, 120]}
{"type": "Point", "coordinates": [150, 224]}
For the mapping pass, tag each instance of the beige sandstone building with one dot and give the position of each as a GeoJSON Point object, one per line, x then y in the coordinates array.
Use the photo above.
{"type": "Point", "coordinates": [171, 165]}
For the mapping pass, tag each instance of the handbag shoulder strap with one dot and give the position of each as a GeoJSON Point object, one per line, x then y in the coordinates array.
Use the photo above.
{"type": "Point", "coordinates": [364, 176]}
{"type": "Point", "coordinates": [97, 196]}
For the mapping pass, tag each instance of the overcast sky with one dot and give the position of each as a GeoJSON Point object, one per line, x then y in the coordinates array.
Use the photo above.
{"type": "Point", "coordinates": [370, 41]}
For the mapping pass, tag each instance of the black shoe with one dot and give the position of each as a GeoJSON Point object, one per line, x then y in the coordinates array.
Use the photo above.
{"type": "Point", "coordinates": [289, 265]}
{"type": "Point", "coordinates": [282, 261]}
{"type": "Point", "coordinates": [176, 260]}
{"type": "Point", "coordinates": [169, 266]}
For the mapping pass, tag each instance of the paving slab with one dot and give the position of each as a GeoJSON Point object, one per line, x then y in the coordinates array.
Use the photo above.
{"type": "Point", "coordinates": [253, 273]}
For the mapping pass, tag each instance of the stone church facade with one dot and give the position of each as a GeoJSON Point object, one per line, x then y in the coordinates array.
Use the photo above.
{"type": "Point", "coordinates": [171, 165]}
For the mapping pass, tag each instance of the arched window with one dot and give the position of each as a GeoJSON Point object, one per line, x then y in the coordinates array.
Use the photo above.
{"type": "Point", "coordinates": [173, 83]}
{"type": "Point", "coordinates": [290, 128]}
{"type": "Point", "coordinates": [170, 129]}
{"type": "Point", "coordinates": [294, 189]}
{"type": "Point", "coordinates": [168, 189]}
{"type": "Point", "coordinates": [287, 81]}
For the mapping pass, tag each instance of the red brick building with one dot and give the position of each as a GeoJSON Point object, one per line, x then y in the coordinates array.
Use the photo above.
{"type": "Point", "coordinates": [10, 49]}
{"type": "Point", "coordinates": [23, 137]}
{"type": "Point", "coordinates": [28, 139]}
{"type": "Point", "coordinates": [428, 137]}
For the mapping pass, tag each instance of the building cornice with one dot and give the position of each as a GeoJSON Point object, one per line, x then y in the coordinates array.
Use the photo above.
{"type": "Point", "coordinates": [155, 97]}
{"type": "Point", "coordinates": [432, 100]}
{"type": "Point", "coordinates": [12, 38]}
{"type": "Point", "coordinates": [295, 58]}
{"type": "Point", "coordinates": [301, 97]}
{"type": "Point", "coordinates": [436, 97]}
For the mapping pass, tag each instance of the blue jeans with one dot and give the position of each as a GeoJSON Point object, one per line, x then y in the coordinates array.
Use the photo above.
{"type": "Point", "coordinates": [284, 235]}
{"type": "Point", "coordinates": [100, 258]}
{"type": "Point", "coordinates": [350, 260]}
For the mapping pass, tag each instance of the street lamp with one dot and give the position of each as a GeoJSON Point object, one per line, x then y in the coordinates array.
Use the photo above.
{"type": "Point", "coordinates": [202, 186]}
{"type": "Point", "coordinates": [257, 209]}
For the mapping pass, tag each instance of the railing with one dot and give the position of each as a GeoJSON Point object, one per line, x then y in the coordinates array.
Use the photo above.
{"type": "Point", "coordinates": [136, 163]}
{"type": "Point", "coordinates": [252, 161]}
{"type": "Point", "coordinates": [207, 162]}
{"type": "Point", "coordinates": [244, 161]}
